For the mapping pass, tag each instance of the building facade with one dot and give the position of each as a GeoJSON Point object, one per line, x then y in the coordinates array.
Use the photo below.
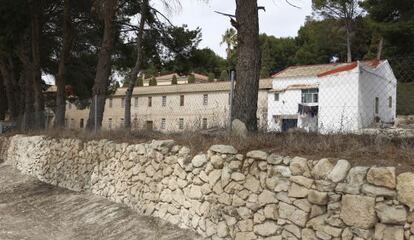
{"type": "Point", "coordinates": [172, 108]}
{"type": "Point", "coordinates": [333, 98]}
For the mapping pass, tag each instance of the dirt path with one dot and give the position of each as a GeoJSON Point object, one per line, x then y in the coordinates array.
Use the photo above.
{"type": "Point", "coordinates": [32, 210]}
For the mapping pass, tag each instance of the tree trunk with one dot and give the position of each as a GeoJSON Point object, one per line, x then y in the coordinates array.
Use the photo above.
{"type": "Point", "coordinates": [64, 58]}
{"type": "Point", "coordinates": [348, 43]}
{"type": "Point", "coordinates": [380, 47]}
{"type": "Point", "coordinates": [103, 68]}
{"type": "Point", "coordinates": [248, 63]}
{"type": "Point", "coordinates": [12, 89]}
{"type": "Point", "coordinates": [28, 121]}
{"type": "Point", "coordinates": [132, 76]}
{"type": "Point", "coordinates": [39, 105]}
{"type": "Point", "coordinates": [3, 99]}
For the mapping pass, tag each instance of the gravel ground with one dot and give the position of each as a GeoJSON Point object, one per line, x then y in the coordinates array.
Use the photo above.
{"type": "Point", "coordinates": [32, 210]}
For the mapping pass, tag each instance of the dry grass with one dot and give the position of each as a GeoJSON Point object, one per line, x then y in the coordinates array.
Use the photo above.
{"type": "Point", "coordinates": [360, 150]}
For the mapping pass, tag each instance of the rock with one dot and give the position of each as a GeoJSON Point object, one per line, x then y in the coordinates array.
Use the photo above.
{"type": "Point", "coordinates": [239, 129]}
{"type": "Point", "coordinates": [347, 234]}
{"type": "Point", "coordinates": [340, 171]}
{"type": "Point", "coordinates": [226, 176]}
{"type": "Point", "coordinates": [266, 229]}
{"type": "Point", "coordinates": [195, 192]}
{"type": "Point", "coordinates": [382, 176]}
{"type": "Point", "coordinates": [282, 185]}
{"type": "Point", "coordinates": [322, 169]}
{"type": "Point", "coordinates": [279, 171]}
{"type": "Point", "coordinates": [371, 190]}
{"type": "Point", "coordinates": [405, 189]}
{"type": "Point", "coordinates": [245, 225]}
{"type": "Point", "coordinates": [236, 176]}
{"type": "Point", "coordinates": [295, 230]}
{"type": "Point", "coordinates": [384, 232]}
{"type": "Point", "coordinates": [217, 161]}
{"type": "Point", "coordinates": [299, 166]}
{"type": "Point", "coordinates": [225, 149]}
{"type": "Point", "coordinates": [354, 180]}
{"type": "Point", "coordinates": [271, 211]}
{"type": "Point", "coordinates": [245, 236]}
{"type": "Point", "coordinates": [303, 181]}
{"type": "Point", "coordinates": [244, 212]}
{"type": "Point", "coordinates": [252, 184]}
{"type": "Point", "coordinates": [317, 211]}
{"type": "Point", "coordinates": [358, 211]}
{"type": "Point", "coordinates": [308, 234]}
{"type": "Point", "coordinates": [257, 154]}
{"type": "Point", "coordinates": [159, 144]}
{"type": "Point", "coordinates": [303, 204]}
{"type": "Point", "coordinates": [391, 214]}
{"type": "Point", "coordinates": [297, 191]}
{"type": "Point", "coordinates": [213, 177]}
{"type": "Point", "coordinates": [199, 160]}
{"type": "Point", "coordinates": [294, 214]}
{"type": "Point", "coordinates": [274, 159]}
{"type": "Point", "coordinates": [324, 186]}
{"type": "Point", "coordinates": [267, 197]}
{"type": "Point", "coordinates": [318, 198]}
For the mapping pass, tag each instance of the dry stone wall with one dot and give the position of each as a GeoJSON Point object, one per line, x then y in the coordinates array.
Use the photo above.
{"type": "Point", "coordinates": [225, 195]}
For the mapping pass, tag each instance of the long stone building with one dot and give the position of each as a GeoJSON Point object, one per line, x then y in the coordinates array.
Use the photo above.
{"type": "Point", "coordinates": [171, 108]}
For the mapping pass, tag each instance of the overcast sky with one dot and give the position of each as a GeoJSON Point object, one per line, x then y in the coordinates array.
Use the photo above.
{"type": "Point", "coordinates": [280, 19]}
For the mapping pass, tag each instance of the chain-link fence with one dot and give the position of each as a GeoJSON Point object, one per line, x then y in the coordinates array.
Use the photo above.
{"type": "Point", "coordinates": [327, 98]}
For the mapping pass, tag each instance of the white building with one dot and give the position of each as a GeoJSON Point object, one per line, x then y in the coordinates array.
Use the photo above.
{"type": "Point", "coordinates": [333, 98]}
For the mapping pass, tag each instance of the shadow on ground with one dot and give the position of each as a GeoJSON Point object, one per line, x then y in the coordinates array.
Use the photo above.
{"type": "Point", "coordinates": [30, 209]}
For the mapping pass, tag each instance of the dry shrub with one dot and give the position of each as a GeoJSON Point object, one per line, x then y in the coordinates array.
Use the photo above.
{"type": "Point", "coordinates": [358, 149]}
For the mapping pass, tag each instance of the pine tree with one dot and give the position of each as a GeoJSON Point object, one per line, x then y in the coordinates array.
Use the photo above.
{"type": "Point", "coordinates": [174, 80]}
{"type": "Point", "coordinates": [211, 77]}
{"type": "Point", "coordinates": [191, 78]}
{"type": "Point", "coordinates": [266, 60]}
{"type": "Point", "coordinates": [153, 81]}
{"type": "Point", "coordinates": [140, 81]}
{"type": "Point", "coordinates": [224, 76]}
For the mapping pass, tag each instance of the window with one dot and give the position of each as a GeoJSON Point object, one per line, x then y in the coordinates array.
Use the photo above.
{"type": "Point", "coordinates": [122, 102]}
{"type": "Point", "coordinates": [376, 105]}
{"type": "Point", "coordinates": [149, 125]}
{"type": "Point", "coordinates": [276, 97]}
{"type": "Point", "coordinates": [310, 95]}
{"type": "Point", "coordinates": [136, 102]}
{"type": "Point", "coordinates": [149, 101]}
{"type": "Point", "coordinates": [164, 101]}
{"type": "Point", "coordinates": [390, 102]}
{"type": "Point", "coordinates": [110, 123]}
{"type": "Point", "coordinates": [81, 123]}
{"type": "Point", "coordinates": [204, 123]}
{"type": "Point", "coordinates": [205, 99]}
{"type": "Point", "coordinates": [163, 123]}
{"type": "Point", "coordinates": [110, 103]}
{"type": "Point", "coordinates": [182, 100]}
{"type": "Point", "coordinates": [181, 123]}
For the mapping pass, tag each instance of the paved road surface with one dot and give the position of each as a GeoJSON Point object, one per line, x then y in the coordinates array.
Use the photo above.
{"type": "Point", "coordinates": [32, 210]}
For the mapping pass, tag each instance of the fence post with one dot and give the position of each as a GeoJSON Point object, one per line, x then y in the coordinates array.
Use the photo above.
{"type": "Point", "coordinates": [231, 99]}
